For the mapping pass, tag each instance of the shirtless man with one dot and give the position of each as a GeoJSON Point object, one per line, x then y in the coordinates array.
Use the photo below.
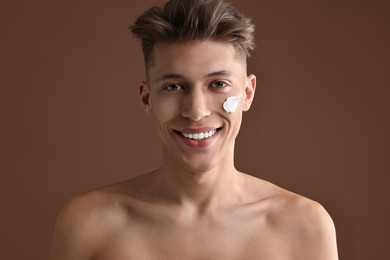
{"type": "Point", "coordinates": [196, 205]}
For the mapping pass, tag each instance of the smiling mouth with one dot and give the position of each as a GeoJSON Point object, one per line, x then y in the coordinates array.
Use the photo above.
{"type": "Point", "coordinates": [199, 136]}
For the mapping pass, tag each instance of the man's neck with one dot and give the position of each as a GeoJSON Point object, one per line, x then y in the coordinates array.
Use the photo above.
{"type": "Point", "coordinates": [207, 189]}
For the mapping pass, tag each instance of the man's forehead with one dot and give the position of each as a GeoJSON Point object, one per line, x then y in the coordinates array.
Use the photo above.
{"type": "Point", "coordinates": [194, 45]}
{"type": "Point", "coordinates": [205, 57]}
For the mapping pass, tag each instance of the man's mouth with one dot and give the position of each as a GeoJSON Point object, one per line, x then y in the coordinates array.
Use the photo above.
{"type": "Point", "coordinates": [199, 135]}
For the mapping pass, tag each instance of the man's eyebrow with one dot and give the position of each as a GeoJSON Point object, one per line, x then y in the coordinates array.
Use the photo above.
{"type": "Point", "coordinates": [169, 76]}
{"type": "Point", "coordinates": [166, 76]}
{"type": "Point", "coordinates": [220, 73]}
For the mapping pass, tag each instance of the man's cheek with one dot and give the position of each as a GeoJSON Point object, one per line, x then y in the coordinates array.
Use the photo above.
{"type": "Point", "coordinates": [230, 104]}
{"type": "Point", "coordinates": [165, 113]}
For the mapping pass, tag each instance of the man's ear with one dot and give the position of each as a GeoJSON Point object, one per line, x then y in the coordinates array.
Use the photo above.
{"type": "Point", "coordinates": [144, 94]}
{"type": "Point", "coordinates": [250, 87]}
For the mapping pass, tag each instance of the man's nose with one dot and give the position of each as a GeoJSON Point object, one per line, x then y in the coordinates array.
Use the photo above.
{"type": "Point", "coordinates": [195, 105]}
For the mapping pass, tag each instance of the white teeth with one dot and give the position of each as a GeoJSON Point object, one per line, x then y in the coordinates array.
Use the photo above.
{"type": "Point", "coordinates": [200, 136]}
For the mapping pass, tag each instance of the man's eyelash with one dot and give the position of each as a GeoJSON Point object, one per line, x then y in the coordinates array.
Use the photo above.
{"type": "Point", "coordinates": [221, 84]}
{"type": "Point", "coordinates": [173, 87]}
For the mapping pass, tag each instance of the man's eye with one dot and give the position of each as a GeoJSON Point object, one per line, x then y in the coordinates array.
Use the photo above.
{"type": "Point", "coordinates": [218, 84]}
{"type": "Point", "coordinates": [173, 87]}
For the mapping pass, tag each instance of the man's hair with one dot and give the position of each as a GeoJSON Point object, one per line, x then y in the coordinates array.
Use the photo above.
{"type": "Point", "coordinates": [190, 20]}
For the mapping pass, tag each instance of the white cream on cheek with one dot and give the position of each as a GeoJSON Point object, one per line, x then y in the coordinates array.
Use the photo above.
{"type": "Point", "coordinates": [231, 103]}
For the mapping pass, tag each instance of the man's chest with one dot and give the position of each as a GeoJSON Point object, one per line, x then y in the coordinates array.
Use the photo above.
{"type": "Point", "coordinates": [238, 241]}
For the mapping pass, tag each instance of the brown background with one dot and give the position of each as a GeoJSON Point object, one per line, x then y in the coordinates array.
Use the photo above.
{"type": "Point", "coordinates": [71, 120]}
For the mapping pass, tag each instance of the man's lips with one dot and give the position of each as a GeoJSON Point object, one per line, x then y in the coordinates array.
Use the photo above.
{"type": "Point", "coordinates": [198, 138]}
{"type": "Point", "coordinates": [197, 134]}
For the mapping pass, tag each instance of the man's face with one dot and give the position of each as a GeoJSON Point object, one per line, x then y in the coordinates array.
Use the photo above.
{"type": "Point", "coordinates": [187, 86]}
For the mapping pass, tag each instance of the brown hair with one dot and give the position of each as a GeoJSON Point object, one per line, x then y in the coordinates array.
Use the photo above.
{"type": "Point", "coordinates": [186, 20]}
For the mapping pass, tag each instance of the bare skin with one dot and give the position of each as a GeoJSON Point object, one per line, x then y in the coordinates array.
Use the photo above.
{"type": "Point", "coordinates": [197, 205]}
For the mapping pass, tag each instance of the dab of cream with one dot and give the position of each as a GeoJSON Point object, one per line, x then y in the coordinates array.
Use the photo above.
{"type": "Point", "coordinates": [231, 103]}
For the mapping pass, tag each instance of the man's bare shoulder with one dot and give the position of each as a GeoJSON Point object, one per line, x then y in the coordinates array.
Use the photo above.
{"type": "Point", "coordinates": [92, 205]}
{"type": "Point", "coordinates": [104, 203]}
{"type": "Point", "coordinates": [282, 201]}
{"type": "Point", "coordinates": [88, 218]}
{"type": "Point", "coordinates": [298, 219]}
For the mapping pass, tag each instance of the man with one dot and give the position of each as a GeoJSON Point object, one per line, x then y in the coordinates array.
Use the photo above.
{"type": "Point", "coordinates": [196, 205]}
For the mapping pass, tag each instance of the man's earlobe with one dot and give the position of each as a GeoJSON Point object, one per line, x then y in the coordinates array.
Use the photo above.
{"type": "Point", "coordinates": [250, 88]}
{"type": "Point", "coordinates": [145, 98]}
